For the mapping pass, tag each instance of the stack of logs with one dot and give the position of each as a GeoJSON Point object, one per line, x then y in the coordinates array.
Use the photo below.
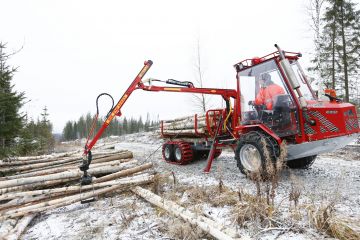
{"type": "Point", "coordinates": [32, 185]}
{"type": "Point", "coordinates": [185, 126]}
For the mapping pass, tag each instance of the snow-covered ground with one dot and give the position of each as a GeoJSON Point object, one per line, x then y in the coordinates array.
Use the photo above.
{"type": "Point", "coordinates": [333, 179]}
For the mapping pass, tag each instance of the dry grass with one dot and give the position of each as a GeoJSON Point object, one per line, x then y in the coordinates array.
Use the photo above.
{"type": "Point", "coordinates": [252, 209]}
{"type": "Point", "coordinates": [126, 219]}
{"type": "Point", "coordinates": [214, 195]}
{"type": "Point", "coordinates": [324, 220]}
{"type": "Point", "coordinates": [179, 229]}
{"type": "Point", "coordinates": [255, 211]}
{"type": "Point", "coordinates": [258, 209]}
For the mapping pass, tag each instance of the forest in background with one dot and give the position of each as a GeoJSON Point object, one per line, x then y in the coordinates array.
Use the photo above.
{"type": "Point", "coordinates": [117, 127]}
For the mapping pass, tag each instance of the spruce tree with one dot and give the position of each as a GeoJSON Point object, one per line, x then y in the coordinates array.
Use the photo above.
{"type": "Point", "coordinates": [45, 129]}
{"type": "Point", "coordinates": [68, 131]}
{"type": "Point", "coordinates": [11, 121]}
{"type": "Point", "coordinates": [28, 145]}
{"type": "Point", "coordinates": [147, 123]}
{"type": "Point", "coordinates": [340, 48]}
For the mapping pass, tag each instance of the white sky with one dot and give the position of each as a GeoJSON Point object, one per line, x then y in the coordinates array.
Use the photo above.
{"type": "Point", "coordinates": [75, 50]}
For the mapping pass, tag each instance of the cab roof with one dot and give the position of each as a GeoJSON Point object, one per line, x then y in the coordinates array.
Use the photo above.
{"type": "Point", "coordinates": [247, 63]}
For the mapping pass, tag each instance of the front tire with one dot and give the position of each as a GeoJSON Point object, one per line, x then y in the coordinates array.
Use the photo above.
{"type": "Point", "coordinates": [301, 163]}
{"type": "Point", "coordinates": [254, 153]}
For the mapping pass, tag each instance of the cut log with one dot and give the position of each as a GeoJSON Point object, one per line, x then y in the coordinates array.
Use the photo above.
{"type": "Point", "coordinates": [48, 156]}
{"type": "Point", "coordinates": [123, 173]}
{"type": "Point", "coordinates": [71, 189]}
{"type": "Point", "coordinates": [15, 234]}
{"type": "Point", "coordinates": [42, 171]}
{"type": "Point", "coordinates": [24, 200]}
{"type": "Point", "coordinates": [6, 226]}
{"type": "Point", "coordinates": [32, 166]}
{"type": "Point", "coordinates": [63, 175]}
{"type": "Point", "coordinates": [36, 166]}
{"type": "Point", "coordinates": [44, 206]}
{"type": "Point", "coordinates": [124, 155]}
{"type": "Point", "coordinates": [15, 162]}
{"type": "Point", "coordinates": [202, 222]}
{"type": "Point", "coordinates": [185, 122]}
{"type": "Point", "coordinates": [57, 169]}
{"type": "Point", "coordinates": [184, 126]}
{"type": "Point", "coordinates": [184, 118]}
{"type": "Point", "coordinates": [37, 185]}
{"type": "Point", "coordinates": [60, 192]}
{"type": "Point", "coordinates": [183, 132]}
{"type": "Point", "coordinates": [50, 166]}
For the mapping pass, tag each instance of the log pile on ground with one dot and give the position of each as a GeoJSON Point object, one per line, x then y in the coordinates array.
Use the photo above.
{"type": "Point", "coordinates": [185, 126]}
{"type": "Point", "coordinates": [29, 186]}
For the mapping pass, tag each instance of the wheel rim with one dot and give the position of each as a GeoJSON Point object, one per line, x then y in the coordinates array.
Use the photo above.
{"type": "Point", "coordinates": [250, 158]}
{"type": "Point", "coordinates": [178, 154]}
{"type": "Point", "coordinates": [167, 152]}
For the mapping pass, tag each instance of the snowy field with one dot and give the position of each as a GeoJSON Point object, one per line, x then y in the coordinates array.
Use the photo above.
{"type": "Point", "coordinates": [332, 183]}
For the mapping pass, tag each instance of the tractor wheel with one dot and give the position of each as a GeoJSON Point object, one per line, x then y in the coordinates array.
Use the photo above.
{"type": "Point", "coordinates": [183, 153]}
{"type": "Point", "coordinates": [251, 152]}
{"type": "Point", "coordinates": [168, 152]}
{"type": "Point", "coordinates": [301, 163]}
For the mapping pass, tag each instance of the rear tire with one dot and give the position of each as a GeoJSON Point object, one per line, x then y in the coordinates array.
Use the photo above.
{"type": "Point", "coordinates": [168, 152]}
{"type": "Point", "coordinates": [251, 151]}
{"type": "Point", "coordinates": [183, 153]}
{"type": "Point", "coordinates": [301, 163]}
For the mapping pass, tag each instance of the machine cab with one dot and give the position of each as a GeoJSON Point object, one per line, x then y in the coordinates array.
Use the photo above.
{"type": "Point", "coordinates": [266, 97]}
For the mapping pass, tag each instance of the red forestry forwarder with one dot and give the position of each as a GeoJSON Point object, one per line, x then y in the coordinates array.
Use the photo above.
{"type": "Point", "coordinates": [308, 125]}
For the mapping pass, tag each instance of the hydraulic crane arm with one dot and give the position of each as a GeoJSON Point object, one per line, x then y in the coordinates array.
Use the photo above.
{"type": "Point", "coordinates": [137, 83]}
{"type": "Point", "coordinates": [225, 93]}
{"type": "Point", "coordinates": [87, 156]}
{"type": "Point", "coordinates": [116, 110]}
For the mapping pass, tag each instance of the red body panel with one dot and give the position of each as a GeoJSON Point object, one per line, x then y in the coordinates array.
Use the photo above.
{"type": "Point", "coordinates": [332, 119]}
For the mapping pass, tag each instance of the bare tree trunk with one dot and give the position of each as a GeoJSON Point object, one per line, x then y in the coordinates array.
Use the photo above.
{"type": "Point", "coordinates": [333, 52]}
{"type": "Point", "coordinates": [200, 101]}
{"type": "Point", "coordinates": [344, 52]}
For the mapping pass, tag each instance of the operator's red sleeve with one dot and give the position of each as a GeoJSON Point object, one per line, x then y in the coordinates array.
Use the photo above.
{"type": "Point", "coordinates": [260, 97]}
{"type": "Point", "coordinates": [270, 93]}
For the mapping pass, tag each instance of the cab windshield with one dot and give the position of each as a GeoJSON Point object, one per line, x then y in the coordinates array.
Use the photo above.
{"type": "Point", "coordinates": [265, 98]}
{"type": "Point", "coordinates": [305, 87]}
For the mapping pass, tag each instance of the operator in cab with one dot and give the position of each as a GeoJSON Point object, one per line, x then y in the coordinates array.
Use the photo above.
{"type": "Point", "coordinates": [267, 93]}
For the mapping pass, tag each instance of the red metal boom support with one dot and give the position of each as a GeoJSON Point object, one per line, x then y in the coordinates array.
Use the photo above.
{"type": "Point", "coordinates": [138, 84]}
{"type": "Point", "coordinates": [116, 109]}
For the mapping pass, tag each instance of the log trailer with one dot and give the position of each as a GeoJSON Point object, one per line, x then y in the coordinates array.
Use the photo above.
{"type": "Point", "coordinates": [308, 125]}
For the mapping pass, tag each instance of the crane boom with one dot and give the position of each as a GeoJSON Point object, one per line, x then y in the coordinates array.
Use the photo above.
{"type": "Point", "coordinates": [137, 83]}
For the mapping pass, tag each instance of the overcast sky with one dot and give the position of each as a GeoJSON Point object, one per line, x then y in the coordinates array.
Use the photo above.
{"type": "Point", "coordinates": [75, 50]}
